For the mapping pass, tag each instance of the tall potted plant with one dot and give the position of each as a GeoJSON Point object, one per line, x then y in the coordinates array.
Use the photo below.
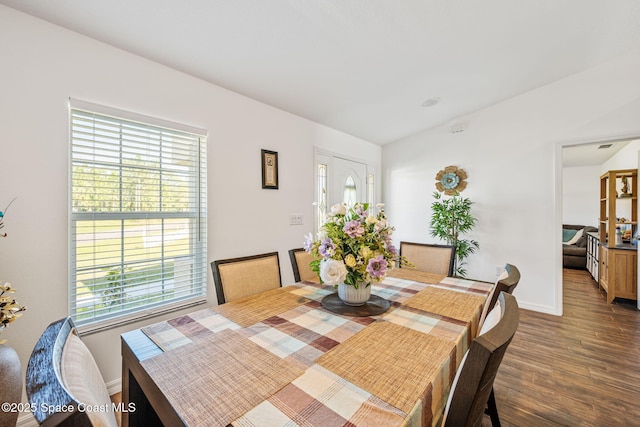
{"type": "Point", "coordinates": [450, 218]}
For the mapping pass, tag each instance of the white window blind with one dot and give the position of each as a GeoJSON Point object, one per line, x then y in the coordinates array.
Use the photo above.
{"type": "Point", "coordinates": [137, 216]}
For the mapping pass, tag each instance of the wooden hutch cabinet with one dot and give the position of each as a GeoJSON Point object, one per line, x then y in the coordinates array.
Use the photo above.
{"type": "Point", "coordinates": [618, 262]}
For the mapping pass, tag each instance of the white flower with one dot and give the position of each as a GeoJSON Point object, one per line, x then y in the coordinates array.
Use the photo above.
{"type": "Point", "coordinates": [380, 225]}
{"type": "Point", "coordinates": [338, 209]}
{"type": "Point", "coordinates": [371, 220]}
{"type": "Point", "coordinates": [308, 242]}
{"type": "Point", "coordinates": [332, 272]}
{"type": "Point", "coordinates": [380, 205]}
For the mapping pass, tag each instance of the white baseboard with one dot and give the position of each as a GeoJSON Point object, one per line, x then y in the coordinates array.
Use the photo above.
{"type": "Point", "coordinates": [537, 307]}
{"type": "Point", "coordinates": [114, 386]}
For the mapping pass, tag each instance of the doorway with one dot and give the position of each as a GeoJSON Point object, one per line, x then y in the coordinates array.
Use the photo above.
{"type": "Point", "coordinates": [341, 180]}
{"type": "Point", "coordinates": [349, 182]}
{"type": "Point", "coordinates": [582, 163]}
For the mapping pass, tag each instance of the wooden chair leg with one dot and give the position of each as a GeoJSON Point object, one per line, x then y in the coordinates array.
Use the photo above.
{"type": "Point", "coordinates": [492, 410]}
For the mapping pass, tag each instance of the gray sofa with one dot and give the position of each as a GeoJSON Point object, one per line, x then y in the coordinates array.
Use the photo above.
{"type": "Point", "coordinates": [575, 256]}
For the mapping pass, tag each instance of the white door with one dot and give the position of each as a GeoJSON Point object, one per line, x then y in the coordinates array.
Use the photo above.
{"type": "Point", "coordinates": [349, 182]}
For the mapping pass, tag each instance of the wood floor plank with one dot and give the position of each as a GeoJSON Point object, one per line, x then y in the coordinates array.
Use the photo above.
{"type": "Point", "coordinates": [580, 369]}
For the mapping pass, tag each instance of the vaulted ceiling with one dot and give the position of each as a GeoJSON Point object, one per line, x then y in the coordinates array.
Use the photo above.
{"type": "Point", "coordinates": [377, 69]}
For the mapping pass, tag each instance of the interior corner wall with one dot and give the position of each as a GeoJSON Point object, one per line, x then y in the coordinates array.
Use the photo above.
{"type": "Point", "coordinates": [626, 158]}
{"type": "Point", "coordinates": [42, 66]}
{"type": "Point", "coordinates": [510, 153]}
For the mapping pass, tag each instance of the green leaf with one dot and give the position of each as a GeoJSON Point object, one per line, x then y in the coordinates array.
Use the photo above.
{"type": "Point", "coordinates": [450, 218]}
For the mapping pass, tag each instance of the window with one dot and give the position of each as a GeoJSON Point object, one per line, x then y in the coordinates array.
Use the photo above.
{"type": "Point", "coordinates": [371, 191]}
{"type": "Point", "coordinates": [137, 216]}
{"type": "Point", "coordinates": [321, 194]}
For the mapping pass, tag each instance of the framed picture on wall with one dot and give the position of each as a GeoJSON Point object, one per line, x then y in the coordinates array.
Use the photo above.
{"type": "Point", "coordinates": [270, 169]}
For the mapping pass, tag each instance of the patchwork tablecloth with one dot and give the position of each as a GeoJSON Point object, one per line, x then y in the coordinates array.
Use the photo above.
{"type": "Point", "coordinates": [319, 368]}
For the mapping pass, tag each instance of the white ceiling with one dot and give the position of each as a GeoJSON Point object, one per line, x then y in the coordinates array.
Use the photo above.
{"type": "Point", "coordinates": [363, 66]}
{"type": "Point", "coordinates": [591, 154]}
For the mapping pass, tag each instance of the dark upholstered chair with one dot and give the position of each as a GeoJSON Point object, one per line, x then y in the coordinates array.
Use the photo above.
{"type": "Point", "coordinates": [300, 260]}
{"type": "Point", "coordinates": [506, 282]}
{"type": "Point", "coordinates": [62, 373]}
{"type": "Point", "coordinates": [237, 278]}
{"type": "Point", "coordinates": [438, 259]}
{"type": "Point", "coordinates": [472, 386]}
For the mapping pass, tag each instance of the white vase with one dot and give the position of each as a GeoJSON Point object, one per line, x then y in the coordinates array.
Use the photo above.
{"type": "Point", "coordinates": [11, 388]}
{"type": "Point", "coordinates": [352, 296]}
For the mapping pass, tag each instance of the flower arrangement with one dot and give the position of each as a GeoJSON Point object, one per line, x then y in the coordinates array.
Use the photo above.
{"type": "Point", "coordinates": [10, 310]}
{"type": "Point", "coordinates": [354, 247]}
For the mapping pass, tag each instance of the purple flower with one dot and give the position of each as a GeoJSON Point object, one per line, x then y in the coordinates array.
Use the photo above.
{"type": "Point", "coordinates": [392, 249]}
{"type": "Point", "coordinates": [327, 248]}
{"type": "Point", "coordinates": [353, 229]}
{"type": "Point", "coordinates": [377, 267]}
{"type": "Point", "coordinates": [308, 242]}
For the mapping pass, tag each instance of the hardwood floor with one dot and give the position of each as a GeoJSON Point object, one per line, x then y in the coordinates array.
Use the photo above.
{"type": "Point", "coordinates": [579, 369]}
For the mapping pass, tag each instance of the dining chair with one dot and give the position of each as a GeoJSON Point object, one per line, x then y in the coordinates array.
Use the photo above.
{"type": "Point", "coordinates": [300, 260]}
{"type": "Point", "coordinates": [470, 392]}
{"type": "Point", "coordinates": [62, 378]}
{"type": "Point", "coordinates": [237, 278]}
{"type": "Point", "coordinates": [432, 258]}
{"type": "Point", "coordinates": [506, 282]}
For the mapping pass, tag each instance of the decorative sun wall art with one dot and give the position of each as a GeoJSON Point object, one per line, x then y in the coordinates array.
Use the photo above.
{"type": "Point", "coordinates": [451, 180]}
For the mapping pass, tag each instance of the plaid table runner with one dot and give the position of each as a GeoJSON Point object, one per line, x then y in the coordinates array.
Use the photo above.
{"type": "Point", "coordinates": [415, 275]}
{"type": "Point", "coordinates": [409, 355]}
{"type": "Point", "coordinates": [390, 361]}
{"type": "Point", "coordinates": [225, 374]}
{"type": "Point", "coordinates": [321, 398]}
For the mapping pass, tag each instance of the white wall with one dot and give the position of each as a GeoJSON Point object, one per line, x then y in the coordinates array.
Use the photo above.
{"type": "Point", "coordinates": [581, 187]}
{"type": "Point", "coordinates": [42, 66]}
{"type": "Point", "coordinates": [626, 158]}
{"type": "Point", "coordinates": [510, 152]}
{"type": "Point", "coordinates": [581, 195]}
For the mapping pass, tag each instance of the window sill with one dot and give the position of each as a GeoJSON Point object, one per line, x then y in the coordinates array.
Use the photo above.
{"type": "Point", "coordinates": [113, 323]}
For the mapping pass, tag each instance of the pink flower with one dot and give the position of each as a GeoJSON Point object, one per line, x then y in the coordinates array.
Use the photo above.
{"type": "Point", "coordinates": [377, 267]}
{"type": "Point", "coordinates": [353, 229]}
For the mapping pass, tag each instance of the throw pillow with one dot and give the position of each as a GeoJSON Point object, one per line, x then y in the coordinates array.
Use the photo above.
{"type": "Point", "coordinates": [575, 238]}
{"type": "Point", "coordinates": [83, 380]}
{"type": "Point", "coordinates": [567, 234]}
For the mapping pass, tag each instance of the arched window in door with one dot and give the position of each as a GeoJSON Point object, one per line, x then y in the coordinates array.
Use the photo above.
{"type": "Point", "coordinates": [350, 193]}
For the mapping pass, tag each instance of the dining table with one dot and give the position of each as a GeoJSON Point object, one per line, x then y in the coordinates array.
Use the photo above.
{"type": "Point", "coordinates": [284, 357]}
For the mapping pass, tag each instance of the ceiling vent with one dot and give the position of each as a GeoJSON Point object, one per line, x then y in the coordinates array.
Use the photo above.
{"type": "Point", "coordinates": [458, 127]}
{"type": "Point", "coordinates": [603, 146]}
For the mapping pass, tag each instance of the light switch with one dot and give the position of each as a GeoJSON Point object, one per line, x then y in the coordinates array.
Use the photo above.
{"type": "Point", "coordinates": [296, 219]}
